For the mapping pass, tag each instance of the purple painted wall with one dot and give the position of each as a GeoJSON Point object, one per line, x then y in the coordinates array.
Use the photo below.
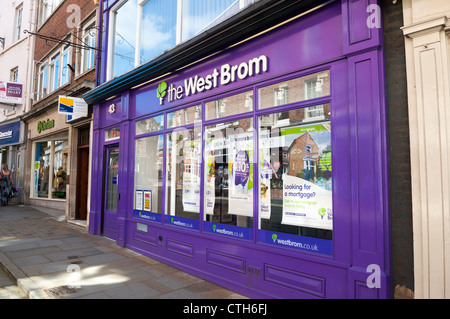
{"type": "Point", "coordinates": [337, 38]}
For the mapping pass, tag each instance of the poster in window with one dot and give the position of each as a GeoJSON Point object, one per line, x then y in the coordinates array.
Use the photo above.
{"type": "Point", "coordinates": [191, 177]}
{"type": "Point", "coordinates": [210, 195]}
{"type": "Point", "coordinates": [139, 199]}
{"type": "Point", "coordinates": [307, 199]}
{"type": "Point", "coordinates": [265, 169]}
{"type": "Point", "coordinates": [240, 164]}
{"type": "Point", "coordinates": [148, 201]}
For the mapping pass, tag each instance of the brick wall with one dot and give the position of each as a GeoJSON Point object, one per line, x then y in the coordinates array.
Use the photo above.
{"type": "Point", "coordinates": [399, 151]}
{"type": "Point", "coordinates": [56, 26]}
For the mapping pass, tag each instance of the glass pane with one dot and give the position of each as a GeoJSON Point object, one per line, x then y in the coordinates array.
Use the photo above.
{"type": "Point", "coordinates": [295, 180]}
{"type": "Point", "coordinates": [158, 28]}
{"type": "Point", "coordinates": [42, 169]}
{"type": "Point", "coordinates": [112, 134]}
{"type": "Point", "coordinates": [148, 177]}
{"type": "Point", "coordinates": [185, 116]}
{"type": "Point", "coordinates": [56, 74]}
{"type": "Point", "coordinates": [228, 188]}
{"type": "Point", "coordinates": [112, 183]}
{"type": "Point", "coordinates": [60, 169]}
{"type": "Point", "coordinates": [230, 105]}
{"type": "Point", "coordinates": [65, 68]}
{"type": "Point", "coordinates": [199, 15]}
{"type": "Point", "coordinates": [152, 124]}
{"type": "Point", "coordinates": [183, 177]}
{"type": "Point", "coordinates": [295, 90]}
{"type": "Point", "coordinates": [124, 37]}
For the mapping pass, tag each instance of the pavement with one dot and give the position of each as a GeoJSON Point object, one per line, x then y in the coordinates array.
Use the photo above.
{"type": "Point", "coordinates": [45, 257]}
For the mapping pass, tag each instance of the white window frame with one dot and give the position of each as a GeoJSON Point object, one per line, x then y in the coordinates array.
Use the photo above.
{"type": "Point", "coordinates": [315, 108]}
{"type": "Point", "coordinates": [48, 64]}
{"type": "Point", "coordinates": [14, 74]}
{"type": "Point", "coordinates": [140, 4]}
{"type": "Point", "coordinates": [46, 8]}
{"type": "Point", "coordinates": [18, 22]}
{"type": "Point", "coordinates": [89, 34]}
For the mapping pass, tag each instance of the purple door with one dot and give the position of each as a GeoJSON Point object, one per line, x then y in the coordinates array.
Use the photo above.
{"type": "Point", "coordinates": [111, 194]}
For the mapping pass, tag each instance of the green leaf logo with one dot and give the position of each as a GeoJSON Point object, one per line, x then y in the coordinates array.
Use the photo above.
{"type": "Point", "coordinates": [171, 220]}
{"type": "Point", "coordinates": [161, 91]}
{"type": "Point", "coordinates": [274, 237]}
{"type": "Point", "coordinates": [322, 211]}
{"type": "Point", "coordinates": [214, 227]}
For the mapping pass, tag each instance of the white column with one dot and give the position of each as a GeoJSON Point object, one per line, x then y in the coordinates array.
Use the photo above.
{"type": "Point", "coordinates": [427, 56]}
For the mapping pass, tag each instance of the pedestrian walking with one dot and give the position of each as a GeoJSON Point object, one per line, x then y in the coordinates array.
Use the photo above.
{"type": "Point", "coordinates": [6, 185]}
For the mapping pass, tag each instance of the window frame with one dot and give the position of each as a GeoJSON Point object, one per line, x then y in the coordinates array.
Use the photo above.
{"type": "Point", "coordinates": [88, 38]}
{"type": "Point", "coordinates": [18, 21]}
{"type": "Point", "coordinates": [254, 114]}
{"type": "Point", "coordinates": [49, 65]}
{"type": "Point", "coordinates": [110, 54]}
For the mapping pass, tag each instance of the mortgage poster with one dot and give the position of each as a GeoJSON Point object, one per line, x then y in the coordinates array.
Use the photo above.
{"type": "Point", "coordinates": [240, 164]}
{"type": "Point", "coordinates": [307, 198]}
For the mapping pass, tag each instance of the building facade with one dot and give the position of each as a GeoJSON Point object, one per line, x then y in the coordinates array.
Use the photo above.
{"type": "Point", "coordinates": [248, 148]}
{"type": "Point", "coordinates": [426, 33]}
{"type": "Point", "coordinates": [16, 55]}
{"type": "Point", "coordinates": [58, 145]}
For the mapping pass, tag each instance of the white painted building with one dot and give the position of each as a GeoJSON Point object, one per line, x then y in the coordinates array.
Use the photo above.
{"type": "Point", "coordinates": [16, 65]}
{"type": "Point", "coordinates": [427, 43]}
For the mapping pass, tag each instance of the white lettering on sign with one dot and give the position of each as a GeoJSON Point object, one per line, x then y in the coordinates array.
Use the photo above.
{"type": "Point", "coordinates": [228, 74]}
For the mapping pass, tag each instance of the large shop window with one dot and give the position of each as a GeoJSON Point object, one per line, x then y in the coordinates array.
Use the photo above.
{"type": "Point", "coordinates": [183, 159]}
{"type": "Point", "coordinates": [228, 184]}
{"type": "Point", "coordinates": [295, 206]}
{"type": "Point", "coordinates": [261, 173]}
{"type": "Point", "coordinates": [148, 170]}
{"type": "Point", "coordinates": [50, 169]}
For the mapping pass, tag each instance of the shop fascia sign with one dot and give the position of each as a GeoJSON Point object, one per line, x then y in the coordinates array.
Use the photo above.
{"type": "Point", "coordinates": [219, 76]}
{"type": "Point", "coordinates": [45, 125]}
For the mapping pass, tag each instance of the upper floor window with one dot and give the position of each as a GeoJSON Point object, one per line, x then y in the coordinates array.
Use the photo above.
{"type": "Point", "coordinates": [140, 30]}
{"type": "Point", "coordinates": [15, 74]}
{"type": "Point", "coordinates": [18, 23]}
{"type": "Point", "coordinates": [88, 54]}
{"type": "Point", "coordinates": [46, 7]}
{"type": "Point", "coordinates": [54, 72]}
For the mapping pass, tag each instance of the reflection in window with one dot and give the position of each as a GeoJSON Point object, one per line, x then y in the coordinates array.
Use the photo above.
{"type": "Point", "coordinates": [228, 189]}
{"type": "Point", "coordinates": [50, 169]}
{"type": "Point", "coordinates": [148, 171]}
{"type": "Point", "coordinates": [149, 125]}
{"type": "Point", "coordinates": [295, 174]}
{"type": "Point", "coordinates": [229, 105]}
{"type": "Point", "coordinates": [60, 169]}
{"type": "Point", "coordinates": [199, 15]}
{"type": "Point", "coordinates": [160, 25]}
{"type": "Point", "coordinates": [158, 28]}
{"type": "Point", "coordinates": [295, 90]}
{"type": "Point", "coordinates": [184, 116]}
{"type": "Point", "coordinates": [124, 37]}
{"type": "Point", "coordinates": [183, 173]}
{"type": "Point", "coordinates": [42, 169]}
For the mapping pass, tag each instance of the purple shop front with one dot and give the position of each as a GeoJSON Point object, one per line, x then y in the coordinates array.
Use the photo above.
{"type": "Point", "coordinates": [262, 168]}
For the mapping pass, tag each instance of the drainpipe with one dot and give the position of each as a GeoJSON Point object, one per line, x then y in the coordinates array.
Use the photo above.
{"type": "Point", "coordinates": [97, 53]}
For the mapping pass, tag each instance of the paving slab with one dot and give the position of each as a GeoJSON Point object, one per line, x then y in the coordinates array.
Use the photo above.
{"type": "Point", "coordinates": [50, 258]}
